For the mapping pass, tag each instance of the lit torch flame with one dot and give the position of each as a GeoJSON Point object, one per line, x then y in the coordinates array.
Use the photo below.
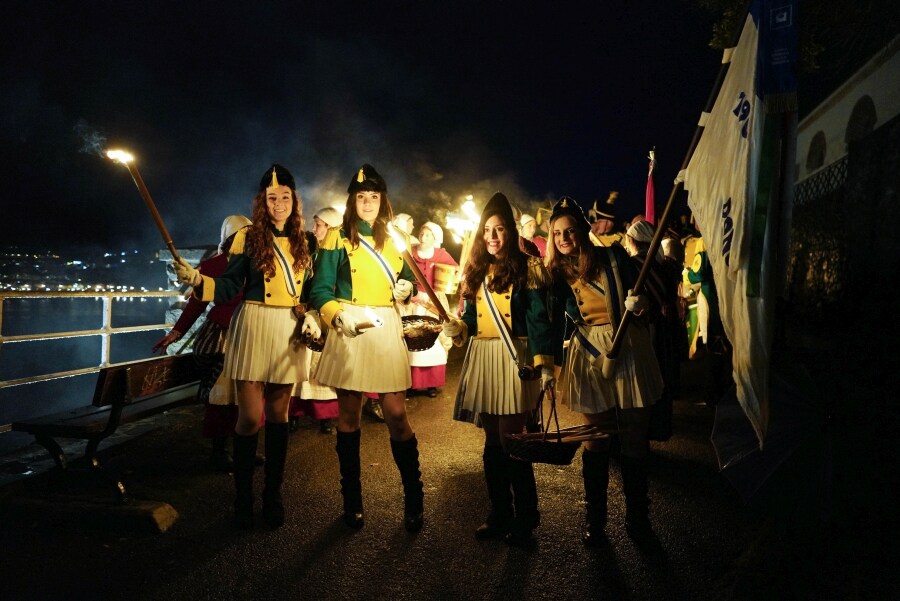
{"type": "Point", "coordinates": [120, 156]}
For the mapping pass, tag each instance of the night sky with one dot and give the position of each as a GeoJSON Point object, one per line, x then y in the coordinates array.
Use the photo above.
{"type": "Point", "coordinates": [444, 99]}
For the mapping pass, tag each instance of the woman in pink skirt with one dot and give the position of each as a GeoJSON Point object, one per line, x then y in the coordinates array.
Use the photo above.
{"type": "Point", "coordinates": [429, 367]}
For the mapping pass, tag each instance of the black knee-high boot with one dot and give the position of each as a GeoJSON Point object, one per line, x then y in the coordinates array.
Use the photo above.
{"type": "Point", "coordinates": [637, 499]}
{"type": "Point", "coordinates": [244, 456]}
{"type": "Point", "coordinates": [595, 471]}
{"type": "Point", "coordinates": [276, 454]}
{"type": "Point", "coordinates": [524, 487]}
{"type": "Point", "coordinates": [351, 488]}
{"type": "Point", "coordinates": [406, 456]}
{"type": "Point", "coordinates": [498, 485]}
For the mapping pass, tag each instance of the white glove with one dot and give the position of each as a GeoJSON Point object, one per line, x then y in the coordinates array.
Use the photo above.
{"type": "Point", "coordinates": [311, 325]}
{"type": "Point", "coordinates": [452, 328]}
{"type": "Point", "coordinates": [346, 324]}
{"type": "Point", "coordinates": [636, 304]}
{"type": "Point", "coordinates": [547, 379]}
{"type": "Point", "coordinates": [402, 290]}
{"type": "Point", "coordinates": [187, 274]}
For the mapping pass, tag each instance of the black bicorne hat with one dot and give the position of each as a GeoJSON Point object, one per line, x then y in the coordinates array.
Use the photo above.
{"type": "Point", "coordinates": [366, 179]}
{"type": "Point", "coordinates": [276, 175]}
{"type": "Point", "coordinates": [606, 209]}
{"type": "Point", "coordinates": [499, 205]}
{"type": "Point", "coordinates": [568, 206]}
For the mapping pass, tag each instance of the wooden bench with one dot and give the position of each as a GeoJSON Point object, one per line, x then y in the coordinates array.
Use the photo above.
{"type": "Point", "coordinates": [125, 392]}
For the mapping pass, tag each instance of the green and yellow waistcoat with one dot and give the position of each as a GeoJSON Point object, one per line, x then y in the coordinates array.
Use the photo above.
{"type": "Point", "coordinates": [524, 312]}
{"type": "Point", "coordinates": [242, 273]}
{"type": "Point", "coordinates": [352, 275]}
{"type": "Point", "coordinates": [596, 302]}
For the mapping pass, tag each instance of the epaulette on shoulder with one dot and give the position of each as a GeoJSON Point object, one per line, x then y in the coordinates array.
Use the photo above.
{"type": "Point", "coordinates": [538, 276]}
{"type": "Point", "coordinates": [240, 240]}
{"type": "Point", "coordinates": [333, 239]}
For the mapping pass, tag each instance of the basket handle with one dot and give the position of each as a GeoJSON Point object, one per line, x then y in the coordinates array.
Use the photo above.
{"type": "Point", "coordinates": [545, 427]}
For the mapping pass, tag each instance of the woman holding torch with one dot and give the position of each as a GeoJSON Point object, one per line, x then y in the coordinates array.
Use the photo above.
{"type": "Point", "coordinates": [360, 274]}
{"type": "Point", "coordinates": [270, 261]}
{"type": "Point", "coordinates": [508, 361]}
{"type": "Point", "coordinates": [592, 284]}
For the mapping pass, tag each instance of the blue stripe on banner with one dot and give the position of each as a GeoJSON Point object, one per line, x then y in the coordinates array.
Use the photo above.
{"type": "Point", "coordinates": [387, 268]}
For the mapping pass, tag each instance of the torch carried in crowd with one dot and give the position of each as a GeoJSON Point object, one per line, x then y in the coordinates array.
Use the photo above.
{"type": "Point", "coordinates": [127, 159]}
{"type": "Point", "coordinates": [401, 243]}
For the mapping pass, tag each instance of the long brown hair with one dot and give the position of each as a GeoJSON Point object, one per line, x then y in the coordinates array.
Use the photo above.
{"type": "Point", "coordinates": [510, 264]}
{"type": "Point", "coordinates": [588, 263]}
{"type": "Point", "coordinates": [379, 228]}
{"type": "Point", "coordinates": [259, 243]}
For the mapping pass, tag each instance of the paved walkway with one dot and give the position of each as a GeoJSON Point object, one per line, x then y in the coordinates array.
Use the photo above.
{"type": "Point", "coordinates": [79, 545]}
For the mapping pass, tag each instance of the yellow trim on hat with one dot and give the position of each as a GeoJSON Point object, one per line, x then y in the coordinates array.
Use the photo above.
{"type": "Point", "coordinates": [274, 183]}
{"type": "Point", "coordinates": [361, 176]}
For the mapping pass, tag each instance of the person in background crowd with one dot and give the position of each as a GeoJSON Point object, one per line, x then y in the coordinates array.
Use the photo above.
{"type": "Point", "coordinates": [270, 261]}
{"type": "Point", "coordinates": [220, 416]}
{"type": "Point", "coordinates": [528, 228]}
{"type": "Point", "coordinates": [429, 367]}
{"type": "Point", "coordinates": [709, 341]}
{"type": "Point", "coordinates": [508, 327]}
{"type": "Point", "coordinates": [592, 286]}
{"type": "Point", "coordinates": [603, 222]}
{"type": "Point", "coordinates": [310, 397]}
{"type": "Point", "coordinates": [666, 322]}
{"type": "Point", "coordinates": [406, 225]}
{"type": "Point", "coordinates": [360, 275]}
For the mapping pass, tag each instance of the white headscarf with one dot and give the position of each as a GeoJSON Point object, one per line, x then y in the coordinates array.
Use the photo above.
{"type": "Point", "coordinates": [436, 231]}
{"type": "Point", "coordinates": [230, 227]}
{"type": "Point", "coordinates": [642, 231]}
{"type": "Point", "coordinates": [331, 216]}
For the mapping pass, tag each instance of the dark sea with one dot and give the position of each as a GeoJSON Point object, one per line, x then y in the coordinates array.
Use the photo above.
{"type": "Point", "coordinates": [33, 358]}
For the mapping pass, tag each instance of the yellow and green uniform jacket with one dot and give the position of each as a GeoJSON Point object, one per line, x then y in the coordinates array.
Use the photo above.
{"type": "Point", "coordinates": [351, 275]}
{"type": "Point", "coordinates": [242, 274]}
{"type": "Point", "coordinates": [524, 311]}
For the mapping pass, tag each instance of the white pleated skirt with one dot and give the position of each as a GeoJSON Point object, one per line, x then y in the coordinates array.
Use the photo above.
{"type": "Point", "coordinates": [636, 382]}
{"type": "Point", "coordinates": [374, 361]}
{"type": "Point", "coordinates": [490, 383]}
{"type": "Point", "coordinates": [311, 389]}
{"type": "Point", "coordinates": [261, 346]}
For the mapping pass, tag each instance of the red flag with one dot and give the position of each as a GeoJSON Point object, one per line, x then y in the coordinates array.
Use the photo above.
{"type": "Point", "coordinates": [650, 209]}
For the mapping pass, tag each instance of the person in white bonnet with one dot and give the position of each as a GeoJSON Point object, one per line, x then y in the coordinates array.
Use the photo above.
{"type": "Point", "coordinates": [404, 222]}
{"type": "Point", "coordinates": [528, 229]}
{"type": "Point", "coordinates": [428, 367]}
{"type": "Point", "coordinates": [323, 220]}
{"type": "Point", "coordinates": [220, 411]}
{"type": "Point", "coordinates": [309, 397]}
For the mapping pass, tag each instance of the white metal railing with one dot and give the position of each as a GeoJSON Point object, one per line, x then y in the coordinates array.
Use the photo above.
{"type": "Point", "coordinates": [105, 331]}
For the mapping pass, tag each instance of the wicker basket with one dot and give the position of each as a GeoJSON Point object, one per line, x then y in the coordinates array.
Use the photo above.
{"type": "Point", "coordinates": [555, 448]}
{"type": "Point", "coordinates": [425, 327]}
